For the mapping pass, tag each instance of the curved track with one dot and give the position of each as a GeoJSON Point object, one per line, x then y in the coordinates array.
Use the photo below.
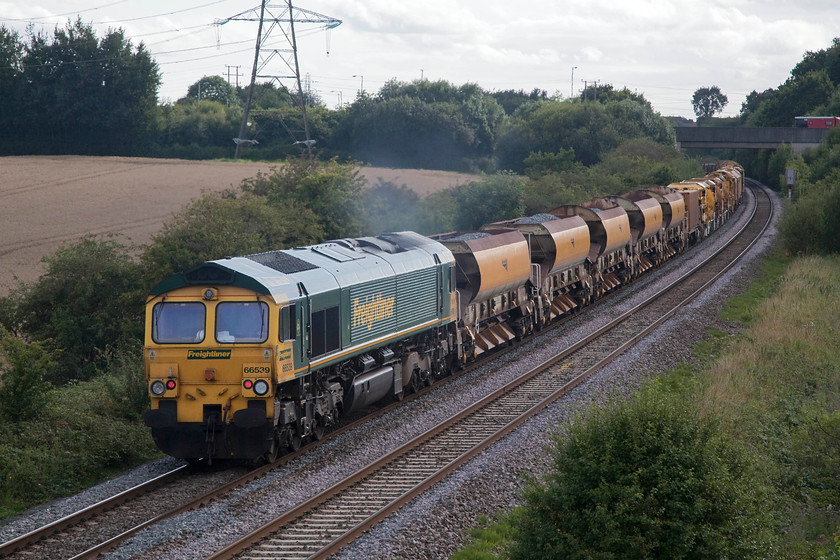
{"type": "Point", "coordinates": [330, 520]}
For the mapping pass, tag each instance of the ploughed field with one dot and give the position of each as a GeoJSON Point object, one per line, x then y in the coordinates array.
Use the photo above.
{"type": "Point", "coordinates": [50, 201]}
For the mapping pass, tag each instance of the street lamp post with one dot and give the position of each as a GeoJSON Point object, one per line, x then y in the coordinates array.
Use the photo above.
{"type": "Point", "coordinates": [362, 85]}
{"type": "Point", "coordinates": [339, 96]}
{"type": "Point", "coordinates": [572, 88]}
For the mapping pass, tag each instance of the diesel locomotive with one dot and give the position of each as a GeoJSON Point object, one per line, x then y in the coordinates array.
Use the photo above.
{"type": "Point", "coordinates": [246, 357]}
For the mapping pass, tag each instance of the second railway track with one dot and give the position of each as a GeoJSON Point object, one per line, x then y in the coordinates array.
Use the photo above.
{"type": "Point", "coordinates": [330, 520]}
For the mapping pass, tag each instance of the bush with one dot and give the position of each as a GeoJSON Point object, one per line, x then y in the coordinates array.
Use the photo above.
{"type": "Point", "coordinates": [329, 189]}
{"type": "Point", "coordinates": [126, 381]}
{"type": "Point", "coordinates": [495, 198]}
{"type": "Point", "coordinates": [86, 301]}
{"type": "Point", "coordinates": [649, 478]}
{"type": "Point", "coordinates": [23, 368]}
{"type": "Point", "coordinates": [80, 438]}
{"type": "Point", "coordinates": [218, 225]}
{"type": "Point", "coordinates": [388, 207]}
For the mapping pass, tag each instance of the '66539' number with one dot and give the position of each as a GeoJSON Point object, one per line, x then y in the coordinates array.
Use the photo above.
{"type": "Point", "coordinates": [256, 370]}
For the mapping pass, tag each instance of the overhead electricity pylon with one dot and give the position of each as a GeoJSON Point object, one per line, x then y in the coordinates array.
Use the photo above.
{"type": "Point", "coordinates": [280, 18]}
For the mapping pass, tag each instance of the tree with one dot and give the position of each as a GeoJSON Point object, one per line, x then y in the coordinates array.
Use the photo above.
{"type": "Point", "coordinates": [423, 124]}
{"type": "Point", "coordinates": [708, 101]}
{"type": "Point", "coordinates": [590, 129]}
{"type": "Point", "coordinates": [11, 87]}
{"type": "Point", "coordinates": [494, 198]}
{"type": "Point", "coordinates": [796, 97]}
{"type": "Point", "coordinates": [205, 122]}
{"type": "Point", "coordinates": [388, 207]}
{"type": "Point", "coordinates": [329, 189]}
{"type": "Point", "coordinates": [219, 225]}
{"type": "Point", "coordinates": [212, 88]}
{"type": "Point", "coordinates": [511, 100]}
{"type": "Point", "coordinates": [86, 95]}
{"type": "Point", "coordinates": [824, 59]}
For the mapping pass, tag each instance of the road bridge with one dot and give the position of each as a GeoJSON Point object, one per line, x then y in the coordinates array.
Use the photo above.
{"type": "Point", "coordinates": [752, 137]}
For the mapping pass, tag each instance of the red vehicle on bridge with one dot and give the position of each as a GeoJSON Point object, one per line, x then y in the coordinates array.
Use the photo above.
{"type": "Point", "coordinates": [816, 122]}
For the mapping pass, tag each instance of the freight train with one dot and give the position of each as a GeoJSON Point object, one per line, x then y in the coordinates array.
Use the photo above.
{"type": "Point", "coordinates": [247, 357]}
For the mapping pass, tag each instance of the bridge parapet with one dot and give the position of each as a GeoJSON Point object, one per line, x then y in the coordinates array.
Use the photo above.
{"type": "Point", "coordinates": [749, 137]}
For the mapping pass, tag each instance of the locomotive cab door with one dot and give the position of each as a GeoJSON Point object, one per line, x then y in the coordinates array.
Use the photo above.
{"type": "Point", "coordinates": [302, 320]}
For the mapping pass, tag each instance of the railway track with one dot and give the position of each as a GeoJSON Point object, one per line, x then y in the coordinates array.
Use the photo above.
{"type": "Point", "coordinates": [37, 542]}
{"type": "Point", "coordinates": [324, 524]}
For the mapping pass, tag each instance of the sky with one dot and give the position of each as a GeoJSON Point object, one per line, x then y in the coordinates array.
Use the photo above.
{"type": "Point", "coordinates": [664, 50]}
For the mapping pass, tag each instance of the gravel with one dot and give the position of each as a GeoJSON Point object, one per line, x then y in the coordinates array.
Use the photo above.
{"type": "Point", "coordinates": [433, 525]}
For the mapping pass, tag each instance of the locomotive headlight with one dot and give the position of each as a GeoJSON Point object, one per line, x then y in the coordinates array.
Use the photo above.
{"type": "Point", "coordinates": [158, 388]}
{"type": "Point", "coordinates": [260, 387]}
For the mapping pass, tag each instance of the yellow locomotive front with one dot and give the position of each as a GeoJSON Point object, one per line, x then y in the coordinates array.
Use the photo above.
{"type": "Point", "coordinates": [210, 365]}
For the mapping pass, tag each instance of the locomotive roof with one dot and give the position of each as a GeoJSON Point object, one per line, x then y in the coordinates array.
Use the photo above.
{"type": "Point", "coordinates": [319, 267]}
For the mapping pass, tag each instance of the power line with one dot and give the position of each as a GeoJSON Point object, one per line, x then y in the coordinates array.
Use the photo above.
{"type": "Point", "coordinates": [68, 13]}
{"type": "Point", "coordinates": [140, 18]}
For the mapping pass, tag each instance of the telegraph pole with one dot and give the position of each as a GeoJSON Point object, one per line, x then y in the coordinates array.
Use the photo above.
{"type": "Point", "coordinates": [228, 66]}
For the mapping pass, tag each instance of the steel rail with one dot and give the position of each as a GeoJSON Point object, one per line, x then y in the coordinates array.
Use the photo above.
{"type": "Point", "coordinates": [75, 518]}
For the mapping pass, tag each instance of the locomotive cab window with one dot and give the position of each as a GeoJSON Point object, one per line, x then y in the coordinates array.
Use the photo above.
{"type": "Point", "coordinates": [178, 323]}
{"type": "Point", "coordinates": [242, 322]}
{"type": "Point", "coordinates": [325, 331]}
{"type": "Point", "coordinates": [288, 325]}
